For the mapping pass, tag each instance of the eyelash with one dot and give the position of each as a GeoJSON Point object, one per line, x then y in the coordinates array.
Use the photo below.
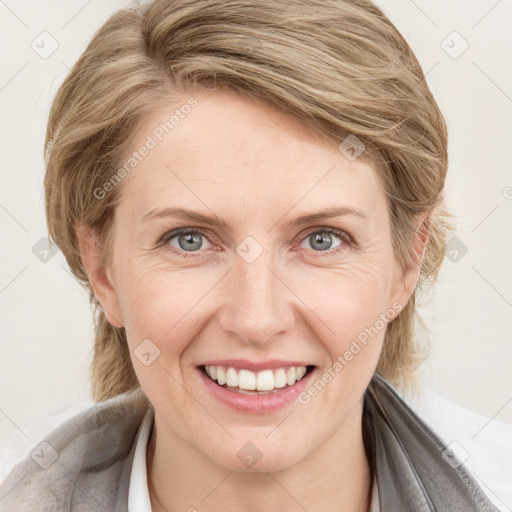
{"type": "Point", "coordinates": [346, 238]}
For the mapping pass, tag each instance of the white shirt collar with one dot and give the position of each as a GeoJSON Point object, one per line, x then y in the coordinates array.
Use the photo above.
{"type": "Point", "coordinates": [138, 494]}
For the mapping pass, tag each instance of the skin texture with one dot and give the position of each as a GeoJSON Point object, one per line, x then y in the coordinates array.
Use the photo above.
{"type": "Point", "coordinates": [257, 169]}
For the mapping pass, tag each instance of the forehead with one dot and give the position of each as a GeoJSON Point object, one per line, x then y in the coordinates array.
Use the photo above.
{"type": "Point", "coordinates": [227, 149]}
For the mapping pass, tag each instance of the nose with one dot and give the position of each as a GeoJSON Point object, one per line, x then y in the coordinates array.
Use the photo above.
{"type": "Point", "coordinates": [258, 303]}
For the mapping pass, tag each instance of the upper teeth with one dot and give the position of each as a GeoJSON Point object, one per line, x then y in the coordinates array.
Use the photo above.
{"type": "Point", "coordinates": [265, 380]}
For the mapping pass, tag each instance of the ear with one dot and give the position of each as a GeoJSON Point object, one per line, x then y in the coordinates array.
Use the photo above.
{"type": "Point", "coordinates": [407, 279]}
{"type": "Point", "coordinates": [99, 277]}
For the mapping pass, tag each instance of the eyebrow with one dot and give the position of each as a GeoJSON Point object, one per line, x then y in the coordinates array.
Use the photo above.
{"type": "Point", "coordinates": [215, 221]}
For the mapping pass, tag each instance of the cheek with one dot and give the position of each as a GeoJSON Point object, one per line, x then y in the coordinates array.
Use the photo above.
{"type": "Point", "coordinates": [158, 303]}
{"type": "Point", "coordinates": [350, 295]}
{"type": "Point", "coordinates": [348, 307]}
{"type": "Point", "coordinates": [159, 308]}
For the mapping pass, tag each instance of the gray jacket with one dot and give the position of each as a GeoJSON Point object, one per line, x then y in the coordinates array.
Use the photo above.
{"type": "Point", "coordinates": [84, 464]}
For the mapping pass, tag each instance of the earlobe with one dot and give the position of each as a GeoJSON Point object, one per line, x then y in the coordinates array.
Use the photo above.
{"type": "Point", "coordinates": [99, 277]}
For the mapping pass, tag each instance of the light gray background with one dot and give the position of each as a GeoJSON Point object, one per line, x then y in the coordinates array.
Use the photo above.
{"type": "Point", "coordinates": [46, 323]}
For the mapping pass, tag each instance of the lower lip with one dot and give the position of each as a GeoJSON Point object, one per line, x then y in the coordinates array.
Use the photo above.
{"type": "Point", "coordinates": [256, 404]}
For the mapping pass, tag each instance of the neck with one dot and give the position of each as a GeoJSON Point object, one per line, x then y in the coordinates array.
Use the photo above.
{"type": "Point", "coordinates": [336, 476]}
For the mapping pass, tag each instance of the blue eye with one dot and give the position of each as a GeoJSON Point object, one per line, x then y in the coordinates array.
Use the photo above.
{"type": "Point", "coordinates": [322, 240]}
{"type": "Point", "coordinates": [189, 242]}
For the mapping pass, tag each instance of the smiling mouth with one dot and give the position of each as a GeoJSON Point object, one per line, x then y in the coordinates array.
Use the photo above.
{"type": "Point", "coordinates": [256, 383]}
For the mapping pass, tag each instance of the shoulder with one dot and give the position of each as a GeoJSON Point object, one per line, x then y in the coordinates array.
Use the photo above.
{"type": "Point", "coordinates": [416, 468]}
{"type": "Point", "coordinates": [83, 459]}
{"type": "Point", "coordinates": [483, 444]}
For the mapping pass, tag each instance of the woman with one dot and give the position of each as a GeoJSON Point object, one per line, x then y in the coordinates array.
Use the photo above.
{"type": "Point", "coordinates": [251, 192]}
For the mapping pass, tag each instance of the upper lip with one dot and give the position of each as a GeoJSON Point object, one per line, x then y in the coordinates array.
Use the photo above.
{"type": "Point", "coordinates": [255, 366]}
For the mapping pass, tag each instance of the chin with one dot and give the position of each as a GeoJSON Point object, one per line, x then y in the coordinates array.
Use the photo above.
{"type": "Point", "coordinates": [256, 457]}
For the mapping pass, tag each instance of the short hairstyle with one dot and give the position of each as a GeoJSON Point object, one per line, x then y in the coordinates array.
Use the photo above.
{"type": "Point", "coordinates": [338, 66]}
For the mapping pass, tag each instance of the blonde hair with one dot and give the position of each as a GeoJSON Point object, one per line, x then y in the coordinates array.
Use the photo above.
{"type": "Point", "coordinates": [338, 66]}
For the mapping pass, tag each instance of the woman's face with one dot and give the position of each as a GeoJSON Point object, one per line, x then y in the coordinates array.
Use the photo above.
{"type": "Point", "coordinates": [258, 287]}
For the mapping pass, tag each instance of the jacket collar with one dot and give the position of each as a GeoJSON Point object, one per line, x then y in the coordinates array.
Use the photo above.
{"type": "Point", "coordinates": [85, 463]}
{"type": "Point", "coordinates": [415, 468]}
